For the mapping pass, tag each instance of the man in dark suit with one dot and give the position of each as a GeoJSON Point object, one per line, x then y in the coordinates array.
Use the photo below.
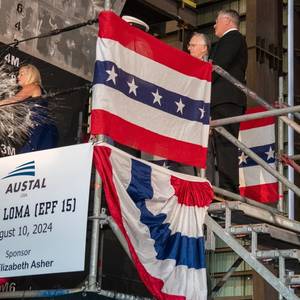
{"type": "Point", "coordinates": [230, 53]}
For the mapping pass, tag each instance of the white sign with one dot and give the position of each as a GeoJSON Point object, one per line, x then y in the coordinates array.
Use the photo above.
{"type": "Point", "coordinates": [43, 211]}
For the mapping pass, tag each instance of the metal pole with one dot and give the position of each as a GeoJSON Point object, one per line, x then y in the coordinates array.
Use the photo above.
{"type": "Point", "coordinates": [269, 113]}
{"type": "Point", "coordinates": [280, 142]}
{"type": "Point", "coordinates": [121, 296]}
{"type": "Point", "coordinates": [256, 158]}
{"type": "Point", "coordinates": [92, 284]}
{"type": "Point", "coordinates": [115, 229]}
{"type": "Point", "coordinates": [291, 123]}
{"type": "Point", "coordinates": [253, 242]}
{"type": "Point", "coordinates": [107, 5]}
{"type": "Point", "coordinates": [244, 200]}
{"type": "Point", "coordinates": [39, 293]}
{"type": "Point", "coordinates": [291, 195]}
{"type": "Point", "coordinates": [95, 238]}
{"type": "Point", "coordinates": [101, 251]}
{"type": "Point", "coordinates": [227, 218]}
{"type": "Point", "coordinates": [281, 263]}
{"type": "Point", "coordinates": [223, 280]}
{"type": "Point", "coordinates": [295, 157]}
{"type": "Point", "coordinates": [79, 128]}
{"type": "Point", "coordinates": [15, 43]}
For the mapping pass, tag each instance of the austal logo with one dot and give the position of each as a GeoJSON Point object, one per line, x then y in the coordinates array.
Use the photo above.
{"type": "Point", "coordinates": [27, 169]}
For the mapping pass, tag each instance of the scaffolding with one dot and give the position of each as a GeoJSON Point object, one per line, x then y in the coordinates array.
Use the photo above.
{"type": "Point", "coordinates": [272, 235]}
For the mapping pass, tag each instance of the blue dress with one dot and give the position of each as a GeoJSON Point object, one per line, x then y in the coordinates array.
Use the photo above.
{"type": "Point", "coordinates": [44, 135]}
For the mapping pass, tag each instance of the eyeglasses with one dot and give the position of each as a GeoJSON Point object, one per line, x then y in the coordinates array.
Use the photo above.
{"type": "Point", "coordinates": [194, 45]}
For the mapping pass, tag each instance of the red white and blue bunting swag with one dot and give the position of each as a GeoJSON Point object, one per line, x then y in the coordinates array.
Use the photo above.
{"type": "Point", "coordinates": [161, 214]}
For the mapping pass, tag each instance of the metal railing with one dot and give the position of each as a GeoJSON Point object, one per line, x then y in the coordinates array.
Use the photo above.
{"type": "Point", "coordinates": [271, 112]}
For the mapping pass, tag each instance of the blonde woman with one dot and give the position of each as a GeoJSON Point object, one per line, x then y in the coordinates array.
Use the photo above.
{"type": "Point", "coordinates": [29, 79]}
{"type": "Point", "coordinates": [41, 131]}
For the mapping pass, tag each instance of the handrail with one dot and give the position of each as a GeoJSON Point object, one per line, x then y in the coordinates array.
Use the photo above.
{"type": "Point", "coordinates": [249, 92]}
{"type": "Point", "coordinates": [269, 113]}
{"type": "Point", "coordinates": [256, 158]}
